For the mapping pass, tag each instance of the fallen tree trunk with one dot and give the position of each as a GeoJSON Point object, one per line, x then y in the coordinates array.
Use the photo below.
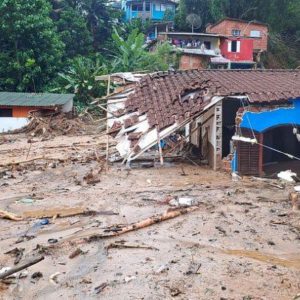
{"type": "Point", "coordinates": [26, 161]}
{"type": "Point", "coordinates": [10, 216]}
{"type": "Point", "coordinates": [20, 268]}
{"type": "Point", "coordinates": [118, 230]}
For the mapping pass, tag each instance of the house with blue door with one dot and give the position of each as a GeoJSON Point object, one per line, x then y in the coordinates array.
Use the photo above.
{"type": "Point", "coordinates": [240, 121]}
{"type": "Point", "coordinates": [153, 10]}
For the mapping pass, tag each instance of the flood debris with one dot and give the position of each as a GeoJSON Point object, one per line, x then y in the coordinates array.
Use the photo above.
{"type": "Point", "coordinates": [162, 269]}
{"type": "Point", "coordinates": [54, 278]}
{"type": "Point", "coordinates": [117, 230]}
{"type": "Point", "coordinates": [288, 176]}
{"type": "Point", "coordinates": [123, 245]}
{"type": "Point", "coordinates": [101, 287]}
{"type": "Point", "coordinates": [190, 214]}
{"type": "Point", "coordinates": [92, 177]}
{"type": "Point", "coordinates": [128, 279]}
{"type": "Point", "coordinates": [194, 268]}
{"type": "Point", "coordinates": [52, 123]}
{"type": "Point", "coordinates": [295, 200]}
{"type": "Point", "coordinates": [37, 275]}
{"type": "Point", "coordinates": [17, 253]}
{"type": "Point", "coordinates": [10, 216]}
{"type": "Point", "coordinates": [76, 253]}
{"type": "Point", "coordinates": [14, 270]}
{"type": "Point", "coordinates": [59, 212]}
{"type": "Point", "coordinates": [183, 202]}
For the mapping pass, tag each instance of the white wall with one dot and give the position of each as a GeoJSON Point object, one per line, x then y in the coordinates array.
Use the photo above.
{"type": "Point", "coordinates": [68, 106]}
{"type": "Point", "coordinates": [7, 124]}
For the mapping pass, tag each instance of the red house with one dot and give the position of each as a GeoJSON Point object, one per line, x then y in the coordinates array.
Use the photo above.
{"type": "Point", "coordinates": [237, 49]}
{"type": "Point", "coordinates": [246, 40]}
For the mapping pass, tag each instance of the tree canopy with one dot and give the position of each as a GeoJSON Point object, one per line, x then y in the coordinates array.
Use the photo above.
{"type": "Point", "coordinates": [30, 48]}
{"type": "Point", "coordinates": [62, 44]}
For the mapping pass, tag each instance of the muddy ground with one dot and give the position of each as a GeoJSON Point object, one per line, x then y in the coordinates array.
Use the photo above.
{"type": "Point", "coordinates": [242, 243]}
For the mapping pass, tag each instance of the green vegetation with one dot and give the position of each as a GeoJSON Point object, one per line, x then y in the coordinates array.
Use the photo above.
{"type": "Point", "coordinates": [60, 45]}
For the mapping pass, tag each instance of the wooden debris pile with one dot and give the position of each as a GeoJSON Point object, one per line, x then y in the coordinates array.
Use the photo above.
{"type": "Point", "coordinates": [52, 124]}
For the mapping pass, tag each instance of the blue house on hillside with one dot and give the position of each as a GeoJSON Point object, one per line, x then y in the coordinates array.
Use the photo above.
{"type": "Point", "coordinates": [153, 10]}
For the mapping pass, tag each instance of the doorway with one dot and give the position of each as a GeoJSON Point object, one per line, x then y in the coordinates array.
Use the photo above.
{"type": "Point", "coordinates": [283, 139]}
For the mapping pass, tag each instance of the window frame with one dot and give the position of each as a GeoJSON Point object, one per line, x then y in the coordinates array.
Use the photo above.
{"type": "Point", "coordinates": [258, 35]}
{"type": "Point", "coordinates": [236, 32]}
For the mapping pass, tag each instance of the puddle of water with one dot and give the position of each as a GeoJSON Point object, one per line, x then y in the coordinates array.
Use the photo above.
{"type": "Point", "coordinates": [289, 262]}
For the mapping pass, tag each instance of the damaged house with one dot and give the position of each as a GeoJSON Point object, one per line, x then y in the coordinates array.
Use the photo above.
{"type": "Point", "coordinates": [244, 121]}
{"type": "Point", "coordinates": [15, 108]}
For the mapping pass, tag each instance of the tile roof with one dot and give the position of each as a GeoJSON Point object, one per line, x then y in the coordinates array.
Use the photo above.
{"type": "Point", "coordinates": [239, 21]}
{"type": "Point", "coordinates": [27, 99]}
{"type": "Point", "coordinates": [168, 98]}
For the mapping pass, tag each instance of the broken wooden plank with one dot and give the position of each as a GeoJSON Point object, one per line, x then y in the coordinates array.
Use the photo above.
{"type": "Point", "coordinates": [10, 216]}
{"type": "Point", "coordinates": [22, 267]}
{"type": "Point", "coordinates": [121, 245]}
{"type": "Point", "coordinates": [57, 212]}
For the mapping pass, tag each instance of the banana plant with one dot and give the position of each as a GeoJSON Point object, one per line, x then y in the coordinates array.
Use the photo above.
{"type": "Point", "coordinates": [129, 54]}
{"type": "Point", "coordinates": [79, 79]}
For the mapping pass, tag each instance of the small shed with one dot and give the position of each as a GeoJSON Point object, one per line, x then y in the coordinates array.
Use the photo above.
{"type": "Point", "coordinates": [15, 107]}
{"type": "Point", "coordinates": [18, 105]}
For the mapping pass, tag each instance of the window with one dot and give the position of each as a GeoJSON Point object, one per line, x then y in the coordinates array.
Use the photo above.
{"type": "Point", "coordinates": [6, 112]}
{"type": "Point", "coordinates": [255, 33]}
{"type": "Point", "coordinates": [137, 7]}
{"type": "Point", "coordinates": [234, 46]}
{"type": "Point", "coordinates": [147, 6]}
{"type": "Point", "coordinates": [161, 7]}
{"type": "Point", "coordinates": [236, 32]}
{"type": "Point", "coordinates": [207, 45]}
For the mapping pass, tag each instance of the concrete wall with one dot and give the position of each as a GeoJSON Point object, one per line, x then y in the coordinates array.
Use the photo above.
{"type": "Point", "coordinates": [208, 135]}
{"type": "Point", "coordinates": [68, 106]}
{"type": "Point", "coordinates": [244, 53]}
{"type": "Point", "coordinates": [270, 118]}
{"type": "Point", "coordinates": [190, 61]}
{"type": "Point", "coordinates": [155, 12]}
{"type": "Point", "coordinates": [264, 120]}
{"type": "Point", "coordinates": [7, 124]}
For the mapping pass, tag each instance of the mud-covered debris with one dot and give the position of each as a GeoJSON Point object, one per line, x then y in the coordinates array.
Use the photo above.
{"type": "Point", "coordinates": [295, 200]}
{"type": "Point", "coordinates": [221, 230]}
{"type": "Point", "coordinates": [162, 269]}
{"type": "Point", "coordinates": [37, 275]}
{"type": "Point", "coordinates": [17, 253]}
{"type": "Point", "coordinates": [121, 229]}
{"type": "Point", "coordinates": [193, 268]}
{"type": "Point", "coordinates": [101, 287]}
{"type": "Point", "coordinates": [288, 176]}
{"type": "Point", "coordinates": [75, 253]}
{"type": "Point", "coordinates": [11, 271]}
{"type": "Point", "coordinates": [52, 124]}
{"type": "Point", "coordinates": [10, 216]}
{"type": "Point", "coordinates": [54, 278]}
{"type": "Point", "coordinates": [174, 292]}
{"type": "Point", "coordinates": [123, 245]}
{"type": "Point", "coordinates": [92, 177]}
{"type": "Point", "coordinates": [129, 278]}
{"type": "Point", "coordinates": [52, 241]}
{"type": "Point", "coordinates": [183, 202]}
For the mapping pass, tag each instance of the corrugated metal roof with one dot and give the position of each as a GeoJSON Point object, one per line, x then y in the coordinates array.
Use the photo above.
{"type": "Point", "coordinates": [27, 99]}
